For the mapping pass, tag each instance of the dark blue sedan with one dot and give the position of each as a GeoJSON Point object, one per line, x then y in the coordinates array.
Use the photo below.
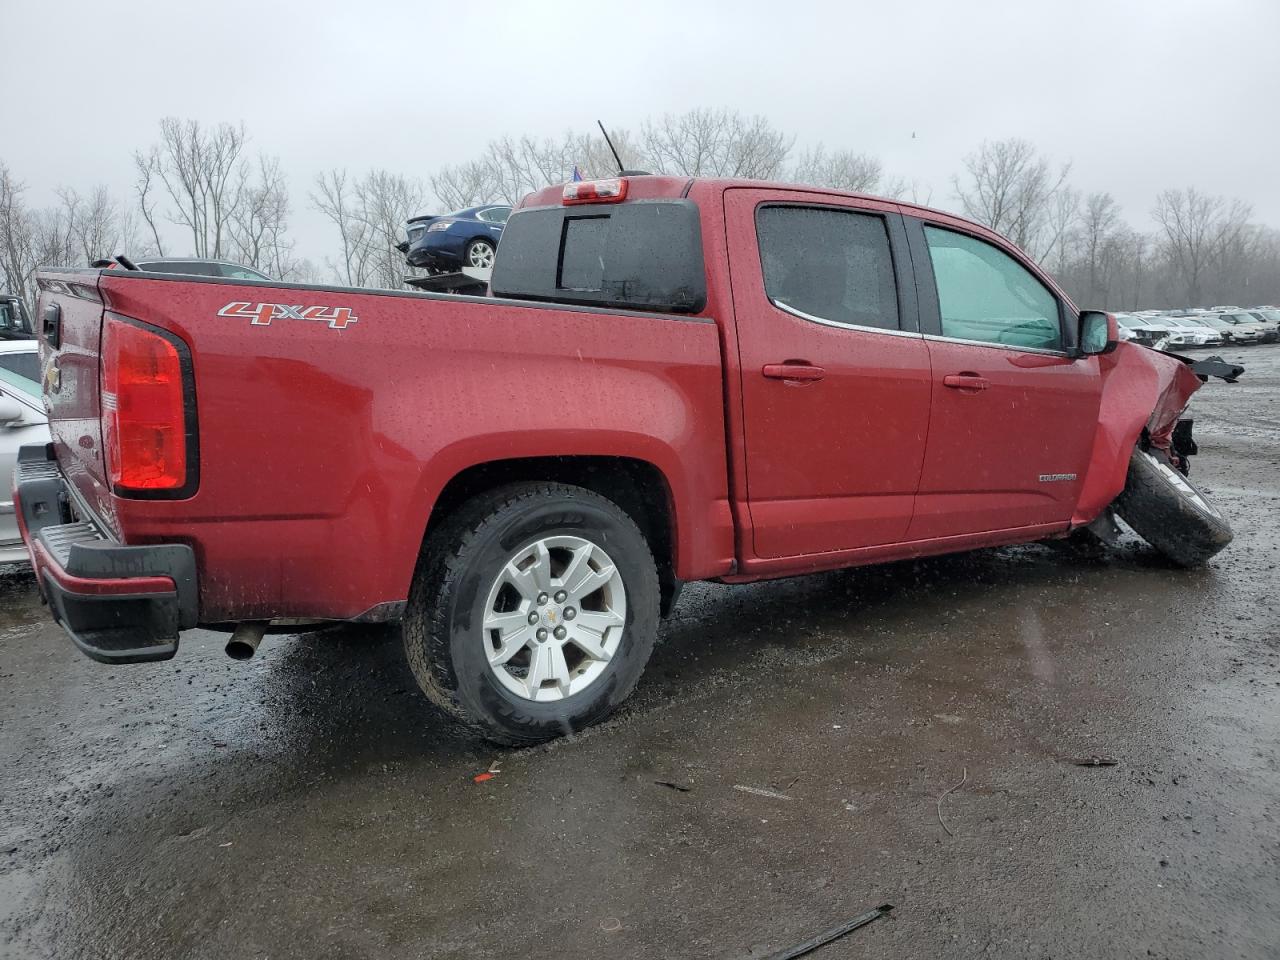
{"type": "Point", "coordinates": [465, 238]}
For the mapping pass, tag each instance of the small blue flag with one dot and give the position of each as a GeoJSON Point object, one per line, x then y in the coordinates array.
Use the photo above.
{"type": "Point", "coordinates": [577, 174]}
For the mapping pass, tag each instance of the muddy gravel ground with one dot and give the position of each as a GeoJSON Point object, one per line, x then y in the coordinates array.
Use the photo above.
{"type": "Point", "coordinates": [310, 804]}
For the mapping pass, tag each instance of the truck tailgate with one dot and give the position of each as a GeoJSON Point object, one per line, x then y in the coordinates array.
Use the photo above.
{"type": "Point", "coordinates": [69, 321]}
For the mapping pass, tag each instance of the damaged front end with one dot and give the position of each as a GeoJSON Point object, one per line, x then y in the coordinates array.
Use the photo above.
{"type": "Point", "coordinates": [1144, 394]}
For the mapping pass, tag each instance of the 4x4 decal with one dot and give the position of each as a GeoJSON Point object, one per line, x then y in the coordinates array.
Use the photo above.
{"type": "Point", "coordinates": [261, 314]}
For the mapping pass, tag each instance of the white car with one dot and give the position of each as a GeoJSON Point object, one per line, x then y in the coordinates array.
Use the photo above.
{"type": "Point", "coordinates": [1141, 329]}
{"type": "Point", "coordinates": [1188, 332]}
{"type": "Point", "coordinates": [22, 420]}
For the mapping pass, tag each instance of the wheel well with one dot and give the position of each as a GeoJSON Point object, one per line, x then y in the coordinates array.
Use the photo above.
{"type": "Point", "coordinates": [636, 486]}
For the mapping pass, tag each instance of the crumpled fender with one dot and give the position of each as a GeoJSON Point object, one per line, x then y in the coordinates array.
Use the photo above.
{"type": "Point", "coordinates": [1140, 388]}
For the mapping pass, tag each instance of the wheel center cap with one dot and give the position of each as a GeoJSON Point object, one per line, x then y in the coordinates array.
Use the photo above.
{"type": "Point", "coordinates": [551, 617]}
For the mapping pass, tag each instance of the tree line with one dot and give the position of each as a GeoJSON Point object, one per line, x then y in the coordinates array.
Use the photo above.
{"type": "Point", "coordinates": [199, 190]}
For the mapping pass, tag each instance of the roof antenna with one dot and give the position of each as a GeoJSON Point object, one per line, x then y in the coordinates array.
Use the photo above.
{"type": "Point", "coordinates": [612, 149]}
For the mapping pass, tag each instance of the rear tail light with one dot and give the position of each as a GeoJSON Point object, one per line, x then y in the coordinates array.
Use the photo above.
{"type": "Point", "coordinates": [595, 191]}
{"type": "Point", "coordinates": [144, 411]}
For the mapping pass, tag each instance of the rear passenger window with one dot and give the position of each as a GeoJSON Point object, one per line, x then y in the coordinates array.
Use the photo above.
{"type": "Point", "coordinates": [830, 265]}
{"type": "Point", "coordinates": [986, 295]}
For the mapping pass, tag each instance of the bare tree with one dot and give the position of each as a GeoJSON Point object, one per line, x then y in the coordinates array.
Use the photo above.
{"type": "Point", "coordinates": [715, 143]}
{"type": "Point", "coordinates": [1012, 189]}
{"type": "Point", "coordinates": [719, 143]}
{"type": "Point", "coordinates": [1197, 228]}
{"type": "Point", "coordinates": [334, 198]}
{"type": "Point", "coordinates": [259, 223]}
{"type": "Point", "coordinates": [838, 169]}
{"type": "Point", "coordinates": [1099, 236]}
{"type": "Point", "coordinates": [17, 239]}
{"type": "Point", "coordinates": [908, 191]}
{"type": "Point", "coordinates": [200, 170]}
{"type": "Point", "coordinates": [145, 186]}
{"type": "Point", "coordinates": [465, 185]}
{"type": "Point", "coordinates": [30, 239]}
{"type": "Point", "coordinates": [100, 225]}
{"type": "Point", "coordinates": [511, 167]}
{"type": "Point", "coordinates": [386, 201]}
{"type": "Point", "coordinates": [370, 215]}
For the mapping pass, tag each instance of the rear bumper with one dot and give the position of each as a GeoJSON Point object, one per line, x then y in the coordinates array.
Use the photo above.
{"type": "Point", "coordinates": [118, 603]}
{"type": "Point", "coordinates": [438, 253]}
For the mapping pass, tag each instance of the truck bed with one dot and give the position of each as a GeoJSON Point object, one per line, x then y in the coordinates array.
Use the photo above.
{"type": "Point", "coordinates": [329, 424]}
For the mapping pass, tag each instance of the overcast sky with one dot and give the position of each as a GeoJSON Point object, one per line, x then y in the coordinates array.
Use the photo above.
{"type": "Point", "coordinates": [1138, 94]}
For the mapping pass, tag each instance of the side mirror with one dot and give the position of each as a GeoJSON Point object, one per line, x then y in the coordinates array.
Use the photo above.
{"type": "Point", "coordinates": [11, 410]}
{"type": "Point", "coordinates": [1099, 333]}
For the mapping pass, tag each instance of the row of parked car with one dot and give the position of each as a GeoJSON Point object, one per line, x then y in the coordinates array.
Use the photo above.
{"type": "Point", "coordinates": [1214, 327]}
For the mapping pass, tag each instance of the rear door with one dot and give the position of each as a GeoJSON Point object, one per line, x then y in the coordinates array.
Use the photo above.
{"type": "Point", "coordinates": [1014, 413]}
{"type": "Point", "coordinates": [834, 372]}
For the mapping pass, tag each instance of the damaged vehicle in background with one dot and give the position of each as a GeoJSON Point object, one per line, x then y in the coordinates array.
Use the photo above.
{"type": "Point", "coordinates": [675, 380]}
{"type": "Point", "coordinates": [1186, 332]}
{"type": "Point", "coordinates": [1140, 329]}
{"type": "Point", "coordinates": [464, 238]}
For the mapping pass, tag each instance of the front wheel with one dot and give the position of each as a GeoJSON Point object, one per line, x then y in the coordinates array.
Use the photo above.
{"type": "Point", "coordinates": [533, 612]}
{"type": "Point", "coordinates": [1168, 511]}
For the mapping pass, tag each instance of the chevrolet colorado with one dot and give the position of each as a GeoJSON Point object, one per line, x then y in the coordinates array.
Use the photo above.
{"type": "Point", "coordinates": [673, 380]}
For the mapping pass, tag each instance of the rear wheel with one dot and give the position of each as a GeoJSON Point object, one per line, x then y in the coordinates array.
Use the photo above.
{"type": "Point", "coordinates": [479, 254]}
{"type": "Point", "coordinates": [1168, 511]}
{"type": "Point", "coordinates": [533, 612]}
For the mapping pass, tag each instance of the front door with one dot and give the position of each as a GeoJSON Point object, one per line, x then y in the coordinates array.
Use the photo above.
{"type": "Point", "coordinates": [1014, 412]}
{"type": "Point", "coordinates": [834, 372]}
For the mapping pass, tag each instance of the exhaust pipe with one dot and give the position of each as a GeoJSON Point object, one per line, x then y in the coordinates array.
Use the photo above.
{"type": "Point", "coordinates": [244, 641]}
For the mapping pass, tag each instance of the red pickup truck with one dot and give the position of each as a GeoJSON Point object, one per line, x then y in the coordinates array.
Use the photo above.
{"type": "Point", "coordinates": [673, 380]}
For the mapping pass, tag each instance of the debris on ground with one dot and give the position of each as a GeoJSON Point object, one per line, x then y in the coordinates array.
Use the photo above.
{"type": "Point", "coordinates": [834, 933]}
{"type": "Point", "coordinates": [1094, 761]}
{"type": "Point", "coordinates": [762, 792]}
{"type": "Point", "coordinates": [949, 790]}
{"type": "Point", "coordinates": [682, 788]}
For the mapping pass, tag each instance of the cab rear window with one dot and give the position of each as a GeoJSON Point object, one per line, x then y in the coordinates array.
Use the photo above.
{"type": "Point", "coordinates": [645, 254]}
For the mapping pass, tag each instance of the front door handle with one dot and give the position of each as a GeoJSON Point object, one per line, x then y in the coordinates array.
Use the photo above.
{"type": "Point", "coordinates": [965, 381]}
{"type": "Point", "coordinates": [794, 372]}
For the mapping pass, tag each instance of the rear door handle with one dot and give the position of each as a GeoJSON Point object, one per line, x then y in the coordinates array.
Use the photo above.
{"type": "Point", "coordinates": [965, 381]}
{"type": "Point", "coordinates": [799, 372]}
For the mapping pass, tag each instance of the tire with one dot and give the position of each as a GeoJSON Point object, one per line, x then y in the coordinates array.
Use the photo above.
{"type": "Point", "coordinates": [479, 253]}
{"type": "Point", "coordinates": [1168, 511]}
{"type": "Point", "coordinates": [467, 571]}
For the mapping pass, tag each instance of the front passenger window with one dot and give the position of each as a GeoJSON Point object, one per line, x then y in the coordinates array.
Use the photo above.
{"type": "Point", "coordinates": [987, 296]}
